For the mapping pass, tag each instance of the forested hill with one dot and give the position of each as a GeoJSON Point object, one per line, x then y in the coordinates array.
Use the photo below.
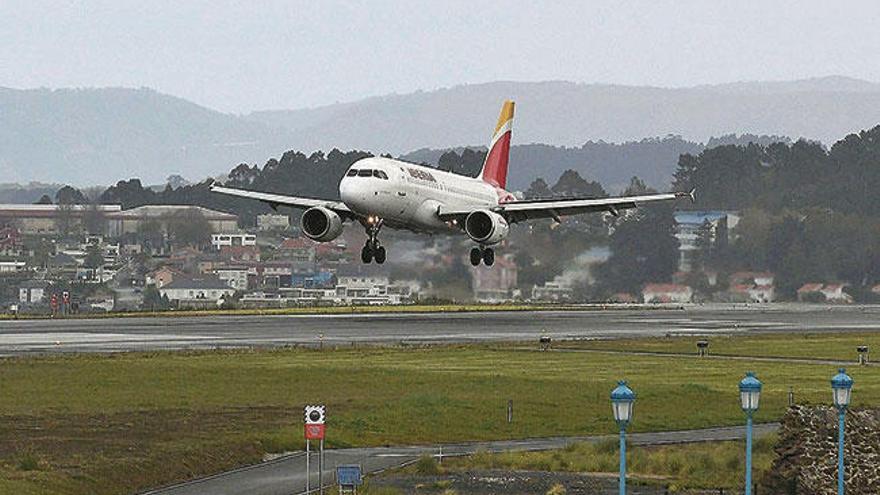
{"type": "Point", "coordinates": [653, 160]}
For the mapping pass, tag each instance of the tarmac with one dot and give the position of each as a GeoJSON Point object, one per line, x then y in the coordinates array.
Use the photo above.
{"type": "Point", "coordinates": [207, 332]}
{"type": "Point", "coordinates": [286, 475]}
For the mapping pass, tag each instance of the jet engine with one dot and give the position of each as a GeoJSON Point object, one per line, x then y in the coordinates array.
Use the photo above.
{"type": "Point", "coordinates": [486, 227]}
{"type": "Point", "coordinates": [321, 224]}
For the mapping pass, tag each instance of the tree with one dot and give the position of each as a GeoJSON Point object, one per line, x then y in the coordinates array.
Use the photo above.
{"type": "Point", "coordinates": [538, 189]}
{"type": "Point", "coordinates": [44, 200]}
{"type": "Point", "coordinates": [94, 257]}
{"type": "Point", "coordinates": [643, 249]}
{"type": "Point", "coordinates": [705, 244]}
{"type": "Point", "coordinates": [571, 183]}
{"type": "Point", "coordinates": [70, 196]}
{"type": "Point", "coordinates": [189, 228]}
{"type": "Point", "coordinates": [94, 221]}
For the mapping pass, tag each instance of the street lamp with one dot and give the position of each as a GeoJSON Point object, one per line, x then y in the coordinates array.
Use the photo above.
{"type": "Point", "coordinates": [622, 399]}
{"type": "Point", "coordinates": [841, 385]}
{"type": "Point", "coordinates": [749, 396]}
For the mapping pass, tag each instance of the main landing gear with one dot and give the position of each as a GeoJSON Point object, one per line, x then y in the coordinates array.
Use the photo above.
{"type": "Point", "coordinates": [484, 254]}
{"type": "Point", "coordinates": [372, 250]}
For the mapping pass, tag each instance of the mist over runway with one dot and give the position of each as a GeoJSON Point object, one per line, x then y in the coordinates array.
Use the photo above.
{"type": "Point", "coordinates": [205, 332]}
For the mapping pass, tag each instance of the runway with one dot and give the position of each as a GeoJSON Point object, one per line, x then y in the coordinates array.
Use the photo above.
{"type": "Point", "coordinates": [174, 333]}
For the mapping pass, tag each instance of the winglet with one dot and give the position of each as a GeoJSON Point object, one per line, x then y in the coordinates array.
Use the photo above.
{"type": "Point", "coordinates": [691, 195]}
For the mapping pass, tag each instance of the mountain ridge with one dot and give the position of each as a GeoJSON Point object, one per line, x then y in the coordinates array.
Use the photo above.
{"type": "Point", "coordinates": [100, 135]}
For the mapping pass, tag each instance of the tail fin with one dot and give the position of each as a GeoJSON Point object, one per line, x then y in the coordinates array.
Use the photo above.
{"type": "Point", "coordinates": [495, 167]}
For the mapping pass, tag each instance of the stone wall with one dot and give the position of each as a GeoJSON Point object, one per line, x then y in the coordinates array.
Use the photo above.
{"type": "Point", "coordinates": [806, 455]}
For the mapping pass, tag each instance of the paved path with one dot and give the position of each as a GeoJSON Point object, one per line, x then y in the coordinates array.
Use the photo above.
{"type": "Point", "coordinates": [137, 334]}
{"type": "Point", "coordinates": [286, 475]}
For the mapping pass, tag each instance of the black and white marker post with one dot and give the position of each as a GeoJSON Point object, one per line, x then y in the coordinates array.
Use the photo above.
{"type": "Point", "coordinates": [314, 417]}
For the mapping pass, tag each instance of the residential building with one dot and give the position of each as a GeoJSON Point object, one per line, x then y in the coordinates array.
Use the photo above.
{"type": "Point", "coordinates": [234, 276]}
{"type": "Point", "coordinates": [203, 291]}
{"type": "Point", "coordinates": [273, 221]}
{"type": "Point", "coordinates": [46, 219]}
{"type": "Point", "coordinates": [32, 291]}
{"type": "Point", "coordinates": [689, 224]}
{"type": "Point", "coordinates": [667, 293]}
{"type": "Point", "coordinates": [163, 276]}
{"type": "Point", "coordinates": [557, 290]}
{"type": "Point", "coordinates": [130, 221]}
{"type": "Point", "coordinates": [224, 239]}
{"type": "Point", "coordinates": [818, 292]}
{"type": "Point", "coordinates": [12, 266]}
{"type": "Point", "coordinates": [497, 283]}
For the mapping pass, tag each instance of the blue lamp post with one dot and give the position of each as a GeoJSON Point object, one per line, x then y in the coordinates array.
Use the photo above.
{"type": "Point", "coordinates": [841, 385]}
{"type": "Point", "coordinates": [622, 399]}
{"type": "Point", "coordinates": [749, 395]}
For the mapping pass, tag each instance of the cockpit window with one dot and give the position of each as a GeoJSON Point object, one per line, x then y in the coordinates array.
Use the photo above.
{"type": "Point", "coordinates": [380, 174]}
{"type": "Point", "coordinates": [365, 172]}
{"type": "Point", "coordinates": [352, 173]}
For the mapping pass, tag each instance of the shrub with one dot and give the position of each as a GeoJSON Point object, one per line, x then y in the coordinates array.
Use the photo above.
{"type": "Point", "coordinates": [427, 466]}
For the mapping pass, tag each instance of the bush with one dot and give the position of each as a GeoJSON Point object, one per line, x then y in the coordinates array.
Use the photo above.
{"type": "Point", "coordinates": [427, 466]}
{"type": "Point", "coordinates": [556, 489]}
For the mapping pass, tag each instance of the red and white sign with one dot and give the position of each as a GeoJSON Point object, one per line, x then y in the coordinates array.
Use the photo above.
{"type": "Point", "coordinates": [314, 432]}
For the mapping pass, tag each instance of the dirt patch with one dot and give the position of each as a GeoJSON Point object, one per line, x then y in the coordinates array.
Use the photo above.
{"type": "Point", "coordinates": [490, 482]}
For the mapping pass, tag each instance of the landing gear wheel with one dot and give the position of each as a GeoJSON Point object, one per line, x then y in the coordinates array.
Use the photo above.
{"type": "Point", "coordinates": [489, 256]}
{"type": "Point", "coordinates": [476, 256]}
{"type": "Point", "coordinates": [379, 254]}
{"type": "Point", "coordinates": [367, 254]}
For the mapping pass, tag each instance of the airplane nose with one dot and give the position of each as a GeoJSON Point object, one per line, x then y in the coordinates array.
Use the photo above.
{"type": "Point", "coordinates": [348, 192]}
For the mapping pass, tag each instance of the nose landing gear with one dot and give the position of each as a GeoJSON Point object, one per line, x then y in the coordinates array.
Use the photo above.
{"type": "Point", "coordinates": [486, 255]}
{"type": "Point", "coordinates": [372, 250]}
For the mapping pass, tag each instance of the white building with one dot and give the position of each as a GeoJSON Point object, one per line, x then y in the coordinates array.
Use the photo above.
{"type": "Point", "coordinates": [688, 225]}
{"type": "Point", "coordinates": [32, 292]}
{"type": "Point", "coordinates": [235, 277]}
{"type": "Point", "coordinates": [273, 221]}
{"type": "Point", "coordinates": [220, 240]}
{"type": "Point", "coordinates": [197, 291]}
{"type": "Point", "coordinates": [667, 293]}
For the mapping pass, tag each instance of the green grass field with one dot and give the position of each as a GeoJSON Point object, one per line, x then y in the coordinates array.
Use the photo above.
{"type": "Point", "coordinates": [799, 346]}
{"type": "Point", "coordinates": [692, 466]}
{"type": "Point", "coordinates": [120, 423]}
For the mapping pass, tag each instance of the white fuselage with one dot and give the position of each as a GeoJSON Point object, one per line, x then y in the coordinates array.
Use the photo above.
{"type": "Point", "coordinates": [408, 196]}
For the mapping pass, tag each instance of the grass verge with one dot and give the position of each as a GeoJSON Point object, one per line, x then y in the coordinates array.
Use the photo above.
{"type": "Point", "coordinates": [122, 423]}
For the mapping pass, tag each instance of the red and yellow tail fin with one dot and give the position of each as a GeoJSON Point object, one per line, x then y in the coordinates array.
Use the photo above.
{"type": "Point", "coordinates": [495, 167]}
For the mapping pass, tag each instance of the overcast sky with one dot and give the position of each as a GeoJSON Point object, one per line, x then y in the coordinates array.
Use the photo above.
{"type": "Point", "coordinates": [253, 55]}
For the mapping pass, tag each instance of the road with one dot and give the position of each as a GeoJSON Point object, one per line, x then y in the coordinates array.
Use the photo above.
{"type": "Point", "coordinates": [169, 333]}
{"type": "Point", "coordinates": [286, 475]}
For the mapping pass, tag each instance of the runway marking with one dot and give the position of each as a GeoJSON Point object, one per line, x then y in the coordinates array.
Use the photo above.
{"type": "Point", "coordinates": [41, 338]}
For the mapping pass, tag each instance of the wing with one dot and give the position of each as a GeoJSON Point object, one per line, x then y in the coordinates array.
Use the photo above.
{"type": "Point", "coordinates": [275, 200]}
{"type": "Point", "coordinates": [516, 211]}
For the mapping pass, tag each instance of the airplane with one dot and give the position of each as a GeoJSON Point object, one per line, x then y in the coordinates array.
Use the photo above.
{"type": "Point", "coordinates": [382, 192]}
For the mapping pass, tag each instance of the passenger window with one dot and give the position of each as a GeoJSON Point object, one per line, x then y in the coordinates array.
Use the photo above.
{"type": "Point", "coordinates": [352, 173]}
{"type": "Point", "coordinates": [365, 172]}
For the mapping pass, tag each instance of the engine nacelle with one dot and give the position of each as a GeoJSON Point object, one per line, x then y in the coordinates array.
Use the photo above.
{"type": "Point", "coordinates": [321, 224]}
{"type": "Point", "coordinates": [486, 227]}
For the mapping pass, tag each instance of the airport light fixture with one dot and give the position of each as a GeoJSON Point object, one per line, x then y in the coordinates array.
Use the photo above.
{"type": "Point", "coordinates": [841, 385]}
{"type": "Point", "coordinates": [622, 400]}
{"type": "Point", "coordinates": [750, 397]}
